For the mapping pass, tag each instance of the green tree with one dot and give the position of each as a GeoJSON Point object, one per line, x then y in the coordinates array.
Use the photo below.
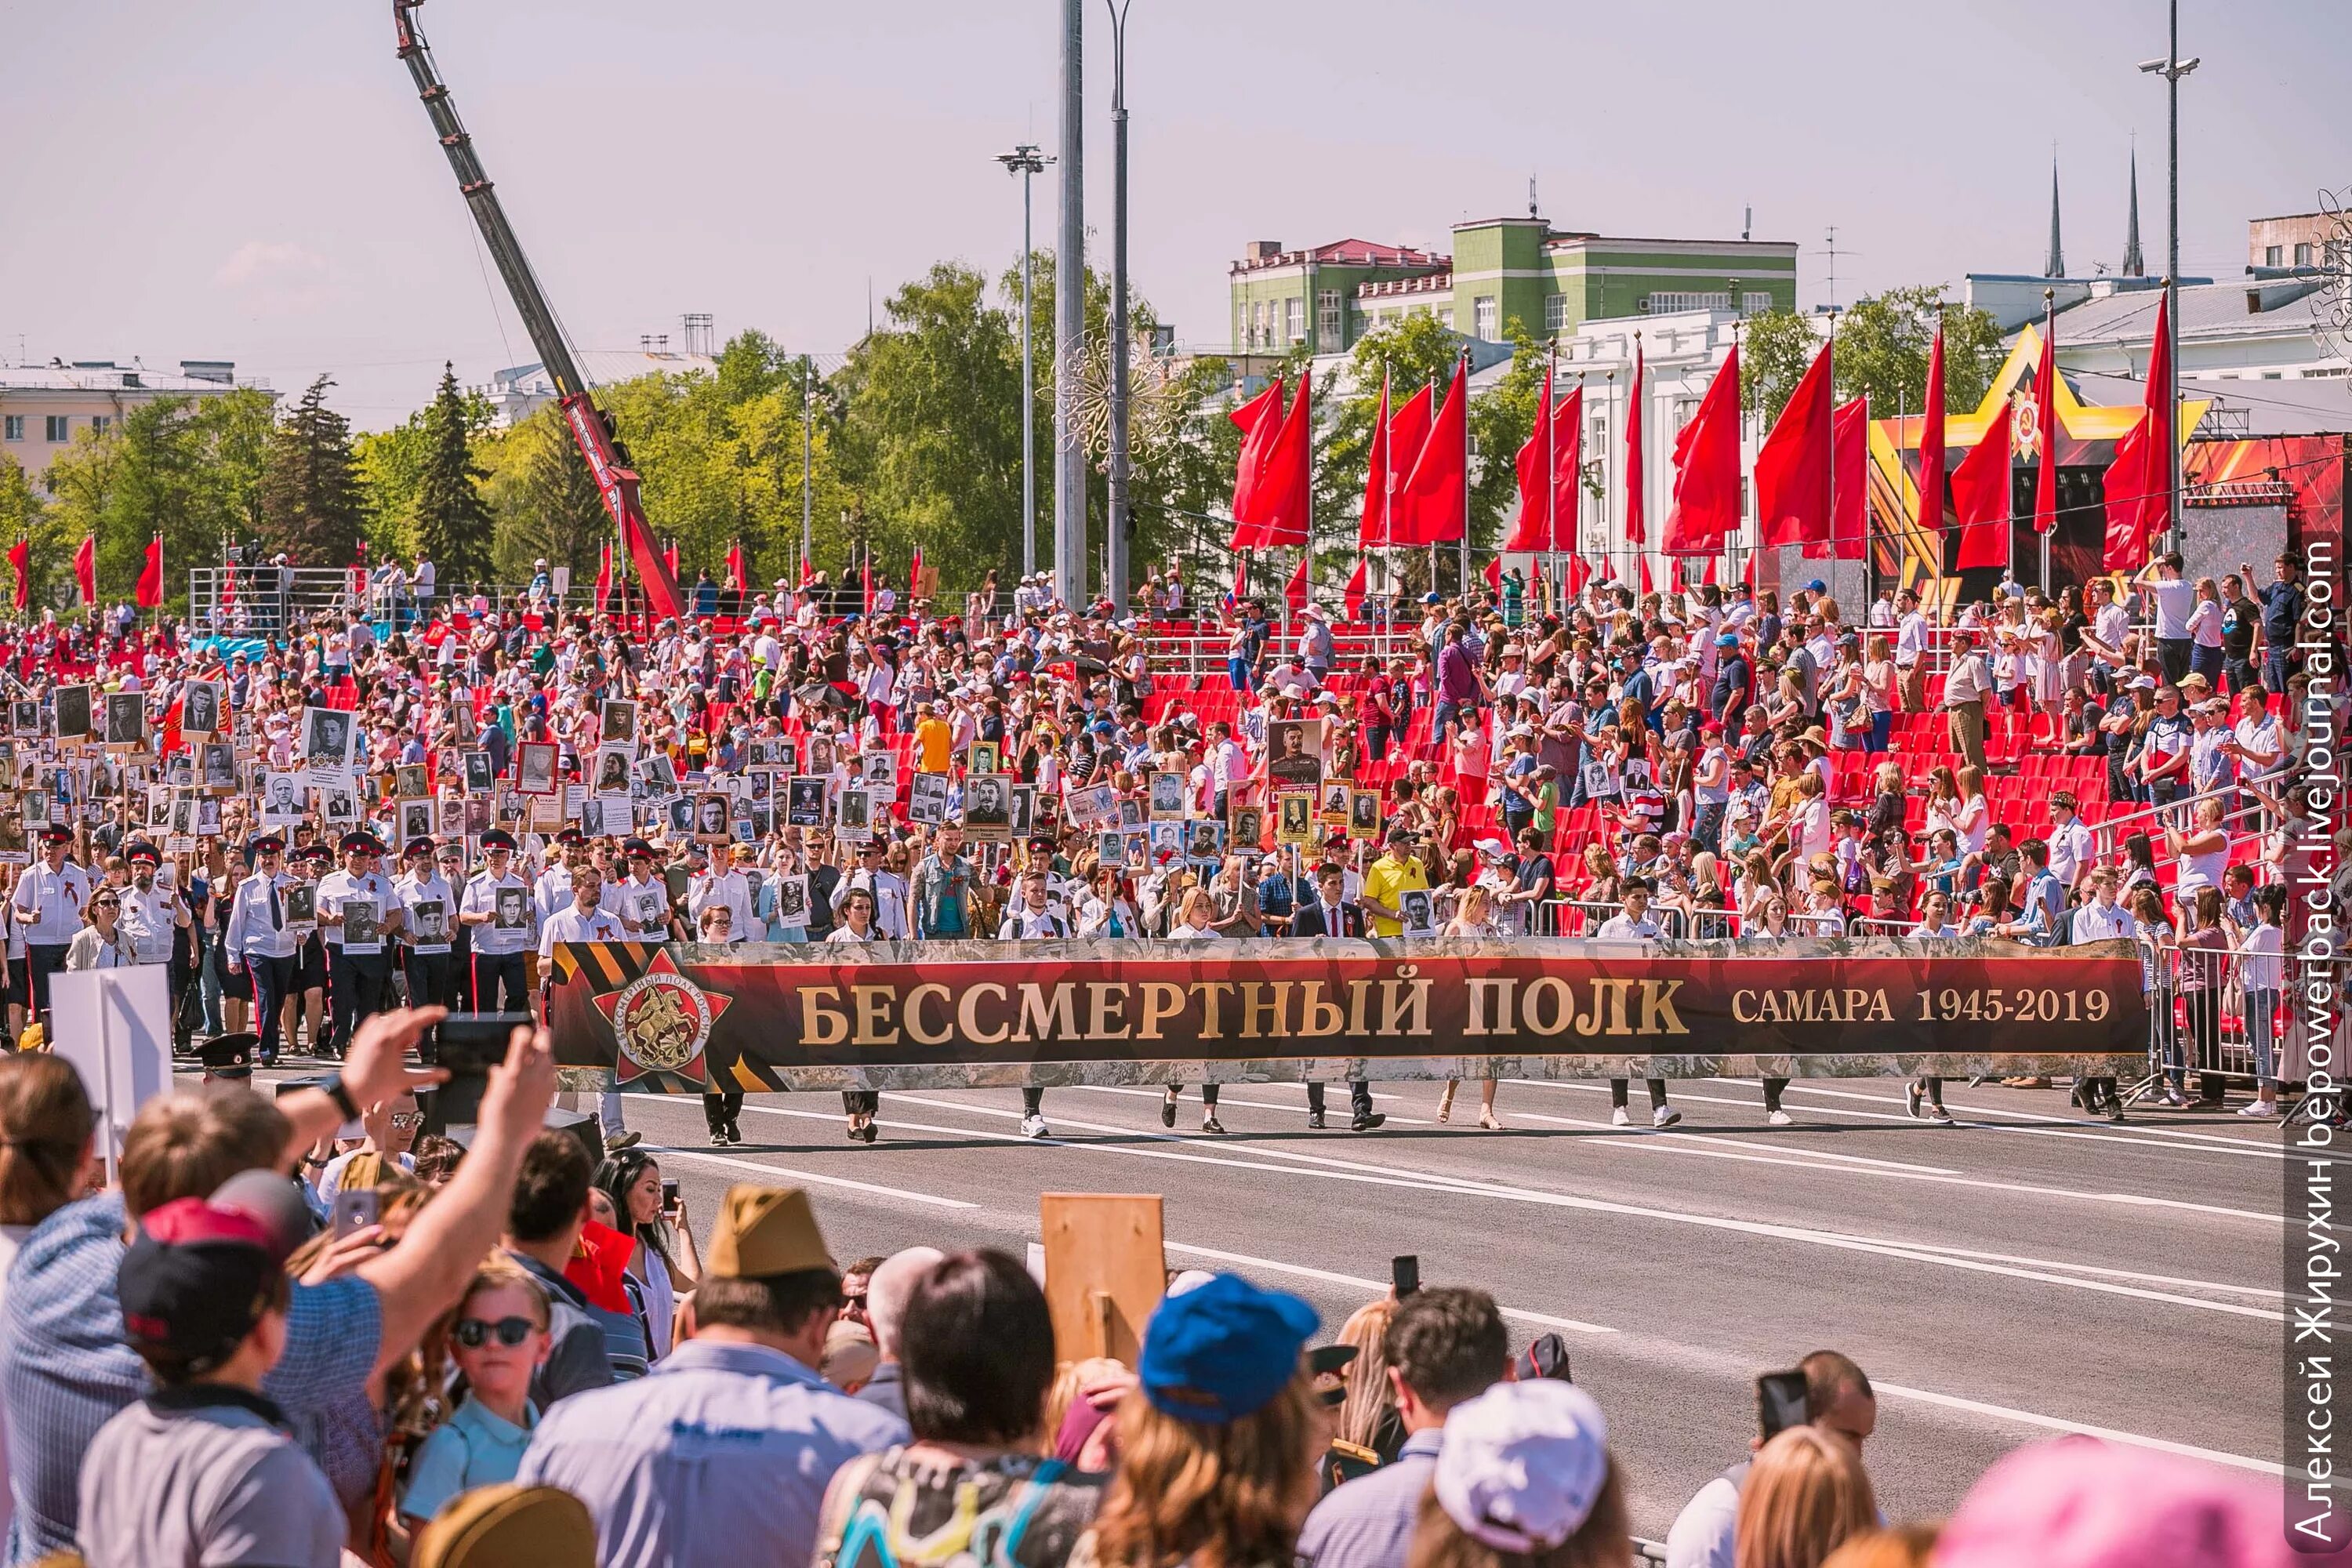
{"type": "Point", "coordinates": [1882, 354]}
{"type": "Point", "coordinates": [311, 505]}
{"type": "Point", "coordinates": [543, 502]}
{"type": "Point", "coordinates": [451, 526]}
{"type": "Point", "coordinates": [1775, 347]}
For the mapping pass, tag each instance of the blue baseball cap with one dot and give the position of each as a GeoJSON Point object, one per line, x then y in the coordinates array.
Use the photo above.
{"type": "Point", "coordinates": [1224, 1350]}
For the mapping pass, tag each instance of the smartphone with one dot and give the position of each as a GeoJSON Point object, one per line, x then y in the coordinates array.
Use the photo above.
{"type": "Point", "coordinates": [353, 1210]}
{"type": "Point", "coordinates": [469, 1045]}
{"type": "Point", "coordinates": [1781, 1402]}
{"type": "Point", "coordinates": [1404, 1274]}
{"type": "Point", "coordinates": [669, 1195]}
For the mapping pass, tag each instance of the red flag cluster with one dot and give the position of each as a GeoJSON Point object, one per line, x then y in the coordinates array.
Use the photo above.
{"type": "Point", "coordinates": [1548, 513]}
{"type": "Point", "coordinates": [1706, 470]}
{"type": "Point", "coordinates": [2138, 486]}
{"type": "Point", "coordinates": [1273, 485]}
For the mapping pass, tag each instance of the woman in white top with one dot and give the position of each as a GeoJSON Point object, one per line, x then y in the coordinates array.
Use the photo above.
{"type": "Point", "coordinates": [2205, 631]}
{"type": "Point", "coordinates": [1973, 817]}
{"type": "Point", "coordinates": [2204, 850]}
{"type": "Point", "coordinates": [98, 944]}
{"type": "Point", "coordinates": [664, 1261]}
{"type": "Point", "coordinates": [1195, 917]}
{"type": "Point", "coordinates": [1473, 916]}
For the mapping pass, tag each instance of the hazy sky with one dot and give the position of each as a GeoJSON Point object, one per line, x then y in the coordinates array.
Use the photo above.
{"type": "Point", "coordinates": [255, 180]}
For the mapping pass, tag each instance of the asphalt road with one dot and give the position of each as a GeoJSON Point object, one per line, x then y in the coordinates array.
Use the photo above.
{"type": "Point", "coordinates": [2025, 1273]}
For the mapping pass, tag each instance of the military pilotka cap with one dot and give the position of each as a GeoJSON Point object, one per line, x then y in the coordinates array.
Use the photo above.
{"type": "Point", "coordinates": [545, 1526]}
{"type": "Point", "coordinates": [766, 1231]}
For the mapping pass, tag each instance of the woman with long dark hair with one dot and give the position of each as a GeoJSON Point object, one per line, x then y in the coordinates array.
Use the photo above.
{"type": "Point", "coordinates": [664, 1258]}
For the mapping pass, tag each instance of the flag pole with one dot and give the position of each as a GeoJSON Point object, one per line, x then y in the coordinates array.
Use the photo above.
{"type": "Point", "coordinates": [1551, 461]}
{"type": "Point", "coordinates": [1608, 462]}
{"type": "Point", "coordinates": [1462, 367]}
{"type": "Point", "coordinates": [2050, 335]}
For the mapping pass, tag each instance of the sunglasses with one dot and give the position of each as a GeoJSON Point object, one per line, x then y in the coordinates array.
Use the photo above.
{"type": "Point", "coordinates": [406, 1119]}
{"type": "Point", "coordinates": [474, 1333]}
{"type": "Point", "coordinates": [106, 903]}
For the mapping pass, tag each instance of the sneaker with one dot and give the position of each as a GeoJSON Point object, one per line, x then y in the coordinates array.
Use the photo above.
{"type": "Point", "coordinates": [1664, 1116]}
{"type": "Point", "coordinates": [718, 1139]}
{"type": "Point", "coordinates": [623, 1139]}
{"type": "Point", "coordinates": [1912, 1095]}
{"type": "Point", "coordinates": [1034, 1126]}
{"type": "Point", "coordinates": [1619, 1116]}
{"type": "Point", "coordinates": [734, 1134]}
{"type": "Point", "coordinates": [1314, 1121]}
{"type": "Point", "coordinates": [1167, 1111]}
{"type": "Point", "coordinates": [2260, 1108]}
{"type": "Point", "coordinates": [1940, 1117]}
{"type": "Point", "coordinates": [1211, 1124]}
{"type": "Point", "coordinates": [2114, 1109]}
{"type": "Point", "coordinates": [1365, 1121]}
{"type": "Point", "coordinates": [1779, 1119]}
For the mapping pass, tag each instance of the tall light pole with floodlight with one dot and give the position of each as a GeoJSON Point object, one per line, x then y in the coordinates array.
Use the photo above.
{"type": "Point", "coordinates": [2173, 67]}
{"type": "Point", "coordinates": [1025, 162]}
{"type": "Point", "coordinates": [1115, 552]}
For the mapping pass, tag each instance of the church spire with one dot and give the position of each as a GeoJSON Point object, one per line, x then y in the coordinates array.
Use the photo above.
{"type": "Point", "coordinates": [2133, 265]}
{"type": "Point", "coordinates": [2054, 264]}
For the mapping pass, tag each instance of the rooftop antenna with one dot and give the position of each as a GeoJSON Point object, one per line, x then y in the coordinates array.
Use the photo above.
{"type": "Point", "coordinates": [1748, 223]}
{"type": "Point", "coordinates": [1531, 195]}
{"type": "Point", "coordinates": [1833, 256]}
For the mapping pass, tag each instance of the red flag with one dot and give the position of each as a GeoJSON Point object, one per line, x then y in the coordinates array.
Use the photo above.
{"type": "Point", "coordinates": [1287, 484]}
{"type": "Point", "coordinates": [228, 586]}
{"type": "Point", "coordinates": [1408, 434]}
{"type": "Point", "coordinates": [85, 568]}
{"type": "Point", "coordinates": [915, 574]}
{"type": "Point", "coordinates": [604, 576]}
{"type": "Point", "coordinates": [1430, 505]}
{"type": "Point", "coordinates": [1260, 420]}
{"type": "Point", "coordinates": [1580, 573]}
{"type": "Point", "coordinates": [2138, 482]}
{"type": "Point", "coordinates": [1849, 520]}
{"type": "Point", "coordinates": [1494, 575]}
{"type": "Point", "coordinates": [1557, 442]}
{"type": "Point", "coordinates": [1355, 600]}
{"type": "Point", "coordinates": [670, 555]}
{"type": "Point", "coordinates": [736, 578]}
{"type": "Point", "coordinates": [1980, 500]}
{"type": "Point", "coordinates": [149, 593]}
{"type": "Point", "coordinates": [2045, 436]}
{"type": "Point", "coordinates": [1240, 577]}
{"type": "Point", "coordinates": [1372, 525]}
{"type": "Point", "coordinates": [1706, 468]}
{"type": "Point", "coordinates": [20, 557]}
{"type": "Point", "coordinates": [808, 572]}
{"type": "Point", "coordinates": [1792, 467]}
{"type": "Point", "coordinates": [1931, 440]}
{"type": "Point", "coordinates": [865, 578]}
{"type": "Point", "coordinates": [1636, 524]}
{"type": "Point", "coordinates": [1293, 594]}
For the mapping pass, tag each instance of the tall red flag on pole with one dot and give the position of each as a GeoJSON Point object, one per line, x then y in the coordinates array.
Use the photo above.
{"type": "Point", "coordinates": [1408, 434]}
{"type": "Point", "coordinates": [865, 578]}
{"type": "Point", "coordinates": [1850, 458]}
{"type": "Point", "coordinates": [2045, 435]}
{"type": "Point", "coordinates": [20, 558]}
{"type": "Point", "coordinates": [1355, 598]}
{"type": "Point", "coordinates": [1285, 485]}
{"type": "Point", "coordinates": [1931, 440]}
{"type": "Point", "coordinates": [1792, 466]}
{"type": "Point", "coordinates": [1980, 500]}
{"type": "Point", "coordinates": [1707, 468]}
{"type": "Point", "coordinates": [1260, 420]}
{"type": "Point", "coordinates": [2139, 483]}
{"type": "Point", "coordinates": [604, 575]}
{"type": "Point", "coordinates": [85, 568]}
{"type": "Point", "coordinates": [1293, 594]}
{"type": "Point", "coordinates": [1430, 505]}
{"type": "Point", "coordinates": [737, 577]}
{"type": "Point", "coordinates": [670, 554]}
{"type": "Point", "coordinates": [149, 593]}
{"type": "Point", "coordinates": [1549, 522]}
{"type": "Point", "coordinates": [1636, 524]}
{"type": "Point", "coordinates": [1372, 526]}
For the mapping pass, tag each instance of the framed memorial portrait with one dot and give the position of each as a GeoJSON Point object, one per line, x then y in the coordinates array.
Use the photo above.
{"type": "Point", "coordinates": [592, 816]}
{"type": "Point", "coordinates": [416, 820]}
{"type": "Point", "coordinates": [412, 781]}
{"type": "Point", "coordinates": [988, 804]}
{"type": "Point", "coordinates": [450, 817]}
{"type": "Point", "coordinates": [1168, 797]}
{"type": "Point", "coordinates": [329, 741]}
{"type": "Point", "coordinates": [512, 910]}
{"type": "Point", "coordinates": [1294, 752]}
{"type": "Point", "coordinates": [478, 814]}
{"type": "Point", "coordinates": [1203, 839]}
{"type": "Point", "coordinates": [1338, 802]}
{"type": "Point", "coordinates": [299, 903]}
{"type": "Point", "coordinates": [25, 716]}
{"type": "Point", "coordinates": [363, 926]}
{"type": "Point", "coordinates": [1248, 827]}
{"type": "Point", "coordinates": [880, 772]}
{"type": "Point", "coordinates": [712, 812]}
{"type": "Point", "coordinates": [535, 764]}
{"type": "Point", "coordinates": [855, 824]}
{"type": "Point", "coordinates": [659, 774]}
{"type": "Point", "coordinates": [219, 772]}
{"type": "Point", "coordinates": [70, 713]}
{"type": "Point", "coordinates": [1417, 911]}
{"type": "Point", "coordinates": [126, 720]}
{"type": "Point", "coordinates": [804, 802]}
{"type": "Point", "coordinates": [820, 757]}
{"type": "Point", "coordinates": [200, 710]}
{"type": "Point", "coordinates": [927, 799]}
{"type": "Point", "coordinates": [428, 925]}
{"type": "Point", "coordinates": [208, 815]}
{"type": "Point", "coordinates": [986, 757]}
{"type": "Point", "coordinates": [1098, 805]}
{"type": "Point", "coordinates": [1021, 819]}
{"type": "Point", "coordinates": [791, 900]}
{"type": "Point", "coordinates": [1364, 813]}
{"type": "Point", "coordinates": [616, 721]}
{"type": "Point", "coordinates": [481, 778]}
{"type": "Point", "coordinates": [37, 811]}
{"type": "Point", "coordinates": [1294, 819]}
{"type": "Point", "coordinates": [678, 816]}
{"type": "Point", "coordinates": [614, 765]}
{"type": "Point", "coordinates": [284, 799]}
{"type": "Point", "coordinates": [159, 807]}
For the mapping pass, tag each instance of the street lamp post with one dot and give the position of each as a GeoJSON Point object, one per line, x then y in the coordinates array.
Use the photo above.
{"type": "Point", "coordinates": [1025, 162]}
{"type": "Point", "coordinates": [1070, 318]}
{"type": "Point", "coordinates": [1114, 546]}
{"type": "Point", "coordinates": [2173, 67]}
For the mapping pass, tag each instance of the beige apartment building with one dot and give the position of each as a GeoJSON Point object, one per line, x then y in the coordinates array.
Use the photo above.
{"type": "Point", "coordinates": [43, 408]}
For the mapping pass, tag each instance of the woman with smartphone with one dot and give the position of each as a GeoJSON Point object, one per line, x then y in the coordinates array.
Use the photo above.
{"type": "Point", "coordinates": [664, 1258]}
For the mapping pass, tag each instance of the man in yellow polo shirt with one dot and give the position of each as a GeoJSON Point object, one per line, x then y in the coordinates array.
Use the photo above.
{"type": "Point", "coordinates": [1397, 872]}
{"type": "Point", "coordinates": [932, 740]}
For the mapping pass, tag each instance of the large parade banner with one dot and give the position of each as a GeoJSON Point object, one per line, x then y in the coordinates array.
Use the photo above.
{"type": "Point", "coordinates": [680, 1019]}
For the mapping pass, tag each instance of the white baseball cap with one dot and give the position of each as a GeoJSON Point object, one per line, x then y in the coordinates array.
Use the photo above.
{"type": "Point", "coordinates": [1523, 1465]}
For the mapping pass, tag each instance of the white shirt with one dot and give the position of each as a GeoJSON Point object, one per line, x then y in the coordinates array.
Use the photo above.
{"type": "Point", "coordinates": [49, 903]}
{"type": "Point", "coordinates": [481, 897]}
{"type": "Point", "coordinates": [2096, 921]}
{"type": "Point", "coordinates": [2070, 849]}
{"type": "Point", "coordinates": [1910, 640]}
{"type": "Point", "coordinates": [571, 925]}
{"type": "Point", "coordinates": [253, 930]}
{"type": "Point", "coordinates": [1043, 925]}
{"type": "Point", "coordinates": [646, 903]}
{"type": "Point", "coordinates": [148, 922]}
{"type": "Point", "coordinates": [337, 888]}
{"type": "Point", "coordinates": [413, 890]}
{"type": "Point", "coordinates": [2174, 601]}
{"type": "Point", "coordinates": [552, 892]}
{"type": "Point", "coordinates": [1619, 928]}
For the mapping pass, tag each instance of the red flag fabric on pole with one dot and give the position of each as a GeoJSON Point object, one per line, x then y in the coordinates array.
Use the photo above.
{"type": "Point", "coordinates": [2045, 436]}
{"type": "Point", "coordinates": [2138, 482]}
{"type": "Point", "coordinates": [1637, 522]}
{"type": "Point", "coordinates": [1293, 594]}
{"type": "Point", "coordinates": [670, 555]}
{"type": "Point", "coordinates": [808, 571]}
{"type": "Point", "coordinates": [1355, 600]}
{"type": "Point", "coordinates": [1429, 507]}
{"type": "Point", "coordinates": [1792, 466]}
{"type": "Point", "coordinates": [1707, 468]}
{"type": "Point", "coordinates": [1408, 434]}
{"type": "Point", "coordinates": [20, 559]}
{"type": "Point", "coordinates": [1287, 487]}
{"type": "Point", "coordinates": [914, 574]}
{"type": "Point", "coordinates": [1494, 575]}
{"type": "Point", "coordinates": [1549, 523]}
{"type": "Point", "coordinates": [149, 593]}
{"type": "Point", "coordinates": [1980, 500]}
{"type": "Point", "coordinates": [1372, 525]}
{"type": "Point", "coordinates": [1260, 420]}
{"type": "Point", "coordinates": [1931, 440]}
{"type": "Point", "coordinates": [1240, 577]}
{"type": "Point", "coordinates": [1850, 518]}
{"type": "Point", "coordinates": [85, 569]}
{"type": "Point", "coordinates": [604, 575]}
{"type": "Point", "coordinates": [865, 578]}
{"type": "Point", "coordinates": [228, 586]}
{"type": "Point", "coordinates": [736, 578]}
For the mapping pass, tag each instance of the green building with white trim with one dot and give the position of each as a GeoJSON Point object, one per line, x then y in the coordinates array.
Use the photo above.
{"type": "Point", "coordinates": [1501, 270]}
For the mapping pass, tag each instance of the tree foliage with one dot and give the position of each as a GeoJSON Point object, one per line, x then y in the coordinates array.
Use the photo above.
{"type": "Point", "coordinates": [312, 503]}
{"type": "Point", "coordinates": [543, 503]}
{"type": "Point", "coordinates": [450, 523]}
{"type": "Point", "coordinates": [1882, 354]}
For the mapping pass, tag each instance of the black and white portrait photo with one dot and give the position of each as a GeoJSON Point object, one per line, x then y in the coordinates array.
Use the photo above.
{"type": "Point", "coordinates": [791, 900]}
{"type": "Point", "coordinates": [1294, 752]}
{"type": "Point", "coordinates": [988, 804]}
{"type": "Point", "coordinates": [1294, 819]}
{"type": "Point", "coordinates": [1021, 811]}
{"type": "Point", "coordinates": [1364, 813]}
{"type": "Point", "coordinates": [326, 736]}
{"type": "Point", "coordinates": [416, 820]}
{"type": "Point", "coordinates": [339, 805]}
{"type": "Point", "coordinates": [1168, 797]}
{"type": "Point", "coordinates": [284, 798]}
{"type": "Point", "coordinates": [126, 718]}
{"type": "Point", "coordinates": [1249, 827]}
{"type": "Point", "coordinates": [617, 720]}
{"type": "Point", "coordinates": [711, 813]}
{"type": "Point", "coordinates": [1417, 912]}
{"type": "Point", "coordinates": [535, 768]}
{"type": "Point", "coordinates": [25, 716]}
{"type": "Point", "coordinates": [412, 781]}
{"type": "Point", "coordinates": [856, 824]}
{"type": "Point", "coordinates": [592, 816]}
{"type": "Point", "coordinates": [804, 802]}
{"type": "Point", "coordinates": [480, 777]}
{"type": "Point", "coordinates": [300, 904]}
{"type": "Point", "coordinates": [72, 714]}
{"type": "Point", "coordinates": [927, 799]}
{"type": "Point", "coordinates": [879, 769]}
{"type": "Point", "coordinates": [220, 766]}
{"type": "Point", "coordinates": [659, 774]}
{"type": "Point", "coordinates": [613, 763]}
{"type": "Point", "coordinates": [428, 923]}
{"type": "Point", "coordinates": [512, 911]}
{"type": "Point", "coordinates": [1337, 802]}
{"type": "Point", "coordinates": [200, 709]}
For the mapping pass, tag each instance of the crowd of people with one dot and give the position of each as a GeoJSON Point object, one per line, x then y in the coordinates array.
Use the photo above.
{"type": "Point", "coordinates": [308, 828]}
{"type": "Point", "coordinates": [520, 1355]}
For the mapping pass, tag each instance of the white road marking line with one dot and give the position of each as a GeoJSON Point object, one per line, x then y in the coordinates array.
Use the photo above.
{"type": "Point", "coordinates": [2056, 1424]}
{"type": "Point", "coordinates": [2042, 1121]}
{"type": "Point", "coordinates": [812, 1176]}
{"type": "Point", "coordinates": [1391, 1175]}
{"type": "Point", "coordinates": [1377, 1287]}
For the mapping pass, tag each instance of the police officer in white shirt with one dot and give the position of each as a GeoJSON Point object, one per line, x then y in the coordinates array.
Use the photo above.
{"type": "Point", "coordinates": [430, 906]}
{"type": "Point", "coordinates": [258, 940]}
{"type": "Point", "coordinates": [503, 927]}
{"type": "Point", "coordinates": [641, 898]}
{"type": "Point", "coordinates": [551, 894]}
{"type": "Point", "coordinates": [150, 913]}
{"type": "Point", "coordinates": [359, 968]}
{"type": "Point", "coordinates": [48, 901]}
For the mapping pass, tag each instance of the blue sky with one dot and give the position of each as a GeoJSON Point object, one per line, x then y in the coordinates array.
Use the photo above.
{"type": "Point", "coordinates": [256, 181]}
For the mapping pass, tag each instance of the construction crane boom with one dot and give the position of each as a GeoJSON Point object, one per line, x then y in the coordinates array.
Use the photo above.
{"type": "Point", "coordinates": [592, 431]}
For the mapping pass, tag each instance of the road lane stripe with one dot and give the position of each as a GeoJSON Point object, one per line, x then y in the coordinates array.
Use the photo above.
{"type": "Point", "coordinates": [933, 1199]}
{"type": "Point", "coordinates": [2057, 1424]}
{"type": "Point", "coordinates": [1376, 1287]}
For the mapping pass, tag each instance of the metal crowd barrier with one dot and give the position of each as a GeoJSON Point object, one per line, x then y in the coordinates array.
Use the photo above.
{"type": "Point", "coordinates": [2213, 1014]}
